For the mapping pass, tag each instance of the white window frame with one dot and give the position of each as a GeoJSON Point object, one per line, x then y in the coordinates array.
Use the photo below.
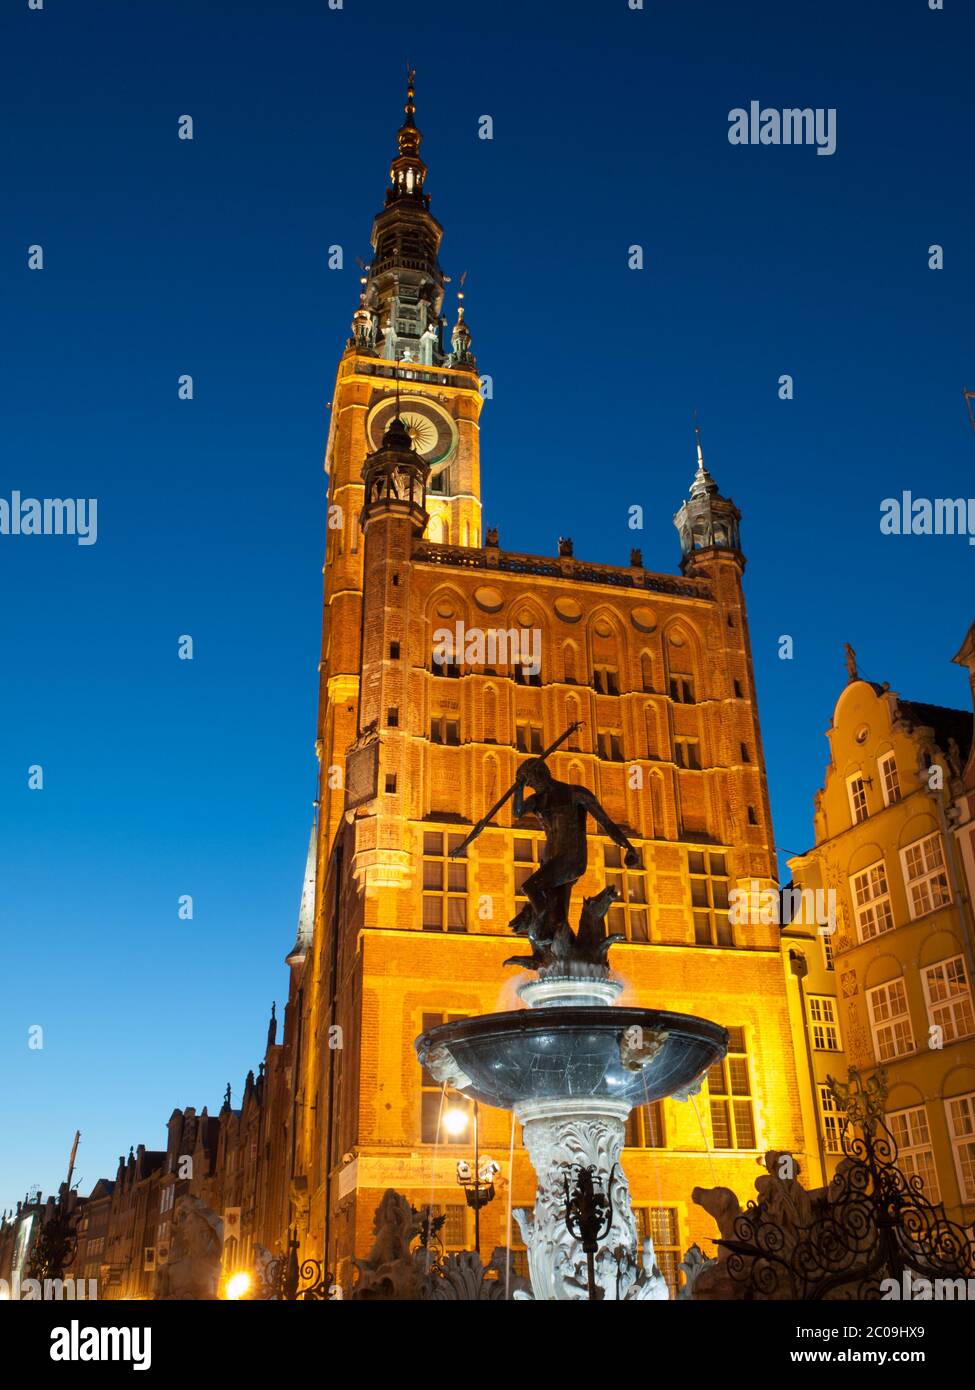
{"type": "Point", "coordinates": [875, 900]}
{"type": "Point", "coordinates": [857, 818]}
{"type": "Point", "coordinates": [889, 781]}
{"type": "Point", "coordinates": [915, 1146]}
{"type": "Point", "coordinates": [834, 1120]}
{"type": "Point", "coordinates": [823, 1023]}
{"type": "Point", "coordinates": [963, 1141]}
{"type": "Point", "coordinates": [887, 1023]}
{"type": "Point", "coordinates": [921, 886]}
{"type": "Point", "coordinates": [947, 1010]}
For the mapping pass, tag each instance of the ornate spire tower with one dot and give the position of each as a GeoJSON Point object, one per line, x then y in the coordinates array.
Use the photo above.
{"type": "Point", "coordinates": [706, 522]}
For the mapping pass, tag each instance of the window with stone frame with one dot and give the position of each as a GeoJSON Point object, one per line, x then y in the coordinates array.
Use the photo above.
{"type": "Point", "coordinates": [609, 745]}
{"type": "Point", "coordinates": [948, 994]}
{"type": "Point", "coordinates": [857, 792]}
{"type": "Point", "coordinates": [662, 1225]}
{"type": "Point", "coordinates": [630, 914]}
{"type": "Point", "coordinates": [708, 873]}
{"type": "Point", "coordinates": [687, 753]}
{"type": "Point", "coordinates": [445, 884]}
{"type": "Point", "coordinates": [453, 1232]}
{"type": "Point", "coordinates": [925, 876]}
{"type": "Point", "coordinates": [889, 781]}
{"type": "Point", "coordinates": [605, 680]}
{"type": "Point", "coordinates": [915, 1153]}
{"type": "Point", "coordinates": [960, 1112]}
{"type": "Point", "coordinates": [833, 1119]}
{"type": "Point", "coordinates": [890, 1020]}
{"type": "Point", "coordinates": [730, 1097]}
{"type": "Point", "coordinates": [527, 849]}
{"type": "Point", "coordinates": [445, 729]}
{"type": "Point", "coordinates": [528, 737]}
{"type": "Point", "coordinates": [823, 1023]}
{"type": "Point", "coordinates": [871, 901]}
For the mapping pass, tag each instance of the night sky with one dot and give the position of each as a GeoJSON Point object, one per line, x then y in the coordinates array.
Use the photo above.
{"type": "Point", "coordinates": [164, 256]}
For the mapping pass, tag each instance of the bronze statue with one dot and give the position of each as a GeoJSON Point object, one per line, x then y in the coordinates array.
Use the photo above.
{"type": "Point", "coordinates": [562, 808]}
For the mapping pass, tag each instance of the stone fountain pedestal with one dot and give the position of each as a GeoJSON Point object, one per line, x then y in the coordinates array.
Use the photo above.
{"type": "Point", "coordinates": [571, 1066]}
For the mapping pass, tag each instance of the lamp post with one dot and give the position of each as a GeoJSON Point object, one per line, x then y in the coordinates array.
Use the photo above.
{"type": "Point", "coordinates": [589, 1215]}
{"type": "Point", "coordinates": [477, 1180]}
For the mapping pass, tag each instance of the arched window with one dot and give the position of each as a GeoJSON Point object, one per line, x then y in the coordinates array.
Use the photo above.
{"type": "Point", "coordinates": [605, 658]}
{"type": "Point", "coordinates": [570, 664]}
{"type": "Point", "coordinates": [646, 670]}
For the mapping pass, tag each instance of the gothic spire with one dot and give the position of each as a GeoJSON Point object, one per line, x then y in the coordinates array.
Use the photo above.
{"type": "Point", "coordinates": [399, 313]}
{"type": "Point", "coordinates": [306, 912]}
{"type": "Point", "coordinates": [408, 171]}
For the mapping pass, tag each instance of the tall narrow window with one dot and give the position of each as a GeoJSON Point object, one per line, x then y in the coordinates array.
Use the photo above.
{"type": "Point", "coordinates": [606, 680]}
{"type": "Point", "coordinates": [433, 1102]}
{"type": "Point", "coordinates": [708, 872]}
{"type": "Point", "coordinates": [729, 1096]}
{"type": "Point", "coordinates": [453, 1232]}
{"type": "Point", "coordinates": [444, 730]}
{"type": "Point", "coordinates": [569, 664]}
{"type": "Point", "coordinates": [823, 1024]}
{"type": "Point", "coordinates": [629, 914]}
{"type": "Point", "coordinates": [890, 1021]}
{"type": "Point", "coordinates": [834, 1121]}
{"type": "Point", "coordinates": [949, 999]}
{"type": "Point", "coordinates": [526, 862]}
{"type": "Point", "coordinates": [444, 883]}
{"type": "Point", "coordinates": [915, 1155]}
{"type": "Point", "coordinates": [646, 671]}
{"type": "Point", "coordinates": [528, 738]}
{"type": "Point", "coordinates": [687, 753]}
{"type": "Point", "coordinates": [645, 1127]}
{"type": "Point", "coordinates": [871, 901]}
{"type": "Point", "coordinates": [891, 787]}
{"type": "Point", "coordinates": [857, 793]}
{"type": "Point", "coordinates": [661, 1225]}
{"type": "Point", "coordinates": [960, 1111]}
{"type": "Point", "coordinates": [924, 875]}
{"type": "Point", "coordinates": [610, 745]}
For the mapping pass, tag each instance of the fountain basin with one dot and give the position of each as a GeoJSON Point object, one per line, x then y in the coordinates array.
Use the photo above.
{"type": "Point", "coordinates": [526, 1056]}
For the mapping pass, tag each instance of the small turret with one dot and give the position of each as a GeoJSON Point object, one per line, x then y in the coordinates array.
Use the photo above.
{"type": "Point", "coordinates": [396, 476]}
{"type": "Point", "coordinates": [706, 522]}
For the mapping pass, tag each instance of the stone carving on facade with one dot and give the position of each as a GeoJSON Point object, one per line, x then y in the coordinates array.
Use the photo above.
{"type": "Point", "coordinates": [196, 1252]}
{"type": "Point", "coordinates": [406, 1263]}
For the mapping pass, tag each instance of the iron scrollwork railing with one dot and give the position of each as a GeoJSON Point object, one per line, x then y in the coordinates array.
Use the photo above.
{"type": "Point", "coordinates": [872, 1223]}
{"type": "Point", "coordinates": [289, 1279]}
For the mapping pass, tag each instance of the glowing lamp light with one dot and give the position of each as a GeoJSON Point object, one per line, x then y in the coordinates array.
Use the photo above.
{"type": "Point", "coordinates": [238, 1285]}
{"type": "Point", "coordinates": [455, 1121]}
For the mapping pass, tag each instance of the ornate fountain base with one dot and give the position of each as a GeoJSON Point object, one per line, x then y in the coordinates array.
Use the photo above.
{"type": "Point", "coordinates": [572, 1066]}
{"type": "Point", "coordinates": [561, 1137]}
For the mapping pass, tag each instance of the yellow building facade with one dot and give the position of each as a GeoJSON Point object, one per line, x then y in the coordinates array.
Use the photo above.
{"type": "Point", "coordinates": [891, 985]}
{"type": "Point", "coordinates": [446, 661]}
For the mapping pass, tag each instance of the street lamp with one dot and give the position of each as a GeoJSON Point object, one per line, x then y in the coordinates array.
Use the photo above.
{"type": "Point", "coordinates": [476, 1179]}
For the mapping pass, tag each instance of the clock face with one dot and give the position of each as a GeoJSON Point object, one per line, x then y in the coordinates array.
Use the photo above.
{"type": "Point", "coordinates": [429, 426]}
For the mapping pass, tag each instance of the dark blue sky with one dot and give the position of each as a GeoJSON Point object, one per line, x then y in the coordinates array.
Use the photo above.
{"type": "Point", "coordinates": [164, 257]}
